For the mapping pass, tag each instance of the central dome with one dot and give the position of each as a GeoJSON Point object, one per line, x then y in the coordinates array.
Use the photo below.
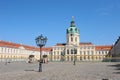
{"type": "Point", "coordinates": [72, 29]}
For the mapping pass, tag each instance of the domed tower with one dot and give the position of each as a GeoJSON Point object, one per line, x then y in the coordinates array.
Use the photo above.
{"type": "Point", "coordinates": [72, 34]}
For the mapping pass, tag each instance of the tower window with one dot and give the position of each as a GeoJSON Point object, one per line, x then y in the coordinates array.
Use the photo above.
{"type": "Point", "coordinates": [76, 29]}
{"type": "Point", "coordinates": [71, 39]}
{"type": "Point", "coordinates": [71, 29]}
{"type": "Point", "coordinates": [76, 39]}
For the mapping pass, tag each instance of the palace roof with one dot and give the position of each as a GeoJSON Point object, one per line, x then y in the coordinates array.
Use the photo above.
{"type": "Point", "coordinates": [105, 47]}
{"type": "Point", "coordinates": [22, 46]}
{"type": "Point", "coordinates": [86, 43]}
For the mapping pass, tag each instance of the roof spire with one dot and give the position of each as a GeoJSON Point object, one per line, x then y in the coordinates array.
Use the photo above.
{"type": "Point", "coordinates": [72, 22]}
{"type": "Point", "coordinates": [72, 18]}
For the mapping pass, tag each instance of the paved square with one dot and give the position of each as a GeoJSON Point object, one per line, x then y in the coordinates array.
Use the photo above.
{"type": "Point", "coordinates": [60, 71]}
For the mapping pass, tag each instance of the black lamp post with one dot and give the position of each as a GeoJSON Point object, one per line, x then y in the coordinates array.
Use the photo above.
{"type": "Point", "coordinates": [41, 41]}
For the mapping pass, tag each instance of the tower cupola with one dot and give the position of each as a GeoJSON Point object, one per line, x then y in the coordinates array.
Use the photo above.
{"type": "Point", "coordinates": [72, 29]}
{"type": "Point", "coordinates": [72, 34]}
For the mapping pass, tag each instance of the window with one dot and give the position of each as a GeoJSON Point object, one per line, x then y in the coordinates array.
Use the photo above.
{"type": "Point", "coordinates": [99, 52]}
{"type": "Point", "coordinates": [71, 29]}
{"type": "Point", "coordinates": [96, 57]}
{"type": "Point", "coordinates": [76, 29]}
{"type": "Point", "coordinates": [92, 47]}
{"type": "Point", "coordinates": [71, 39]}
{"type": "Point", "coordinates": [80, 58]}
{"type": "Point", "coordinates": [54, 53]}
{"type": "Point", "coordinates": [80, 52]}
{"type": "Point", "coordinates": [84, 53]}
{"type": "Point", "coordinates": [71, 51]}
{"type": "Point", "coordinates": [57, 53]}
{"type": "Point", "coordinates": [102, 52]}
{"type": "Point", "coordinates": [106, 52]}
{"type": "Point", "coordinates": [88, 57]}
{"type": "Point", "coordinates": [99, 57]}
{"type": "Point", "coordinates": [84, 57]}
{"type": "Point", "coordinates": [71, 58]}
{"type": "Point", "coordinates": [68, 51]}
{"type": "Point", "coordinates": [88, 52]}
{"type": "Point", "coordinates": [92, 57]}
{"type": "Point", "coordinates": [92, 52]}
{"type": "Point", "coordinates": [84, 47]}
{"type": "Point", "coordinates": [75, 51]}
{"type": "Point", "coordinates": [76, 39]}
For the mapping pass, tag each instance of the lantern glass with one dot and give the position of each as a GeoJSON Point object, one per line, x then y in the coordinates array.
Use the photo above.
{"type": "Point", "coordinates": [41, 41]}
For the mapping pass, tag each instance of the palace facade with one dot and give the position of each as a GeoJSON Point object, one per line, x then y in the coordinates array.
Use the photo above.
{"type": "Point", "coordinates": [72, 50]}
{"type": "Point", "coordinates": [10, 52]}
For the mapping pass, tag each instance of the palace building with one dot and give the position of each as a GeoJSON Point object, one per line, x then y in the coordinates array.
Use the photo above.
{"type": "Point", "coordinates": [72, 50]}
{"type": "Point", "coordinates": [10, 52]}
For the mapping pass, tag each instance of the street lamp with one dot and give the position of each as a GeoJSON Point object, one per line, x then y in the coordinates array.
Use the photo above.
{"type": "Point", "coordinates": [41, 41]}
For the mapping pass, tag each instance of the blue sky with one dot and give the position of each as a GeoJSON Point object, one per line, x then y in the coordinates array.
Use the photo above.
{"type": "Point", "coordinates": [21, 21]}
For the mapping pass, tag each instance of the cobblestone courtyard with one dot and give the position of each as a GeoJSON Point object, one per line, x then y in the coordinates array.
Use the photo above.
{"type": "Point", "coordinates": [60, 71]}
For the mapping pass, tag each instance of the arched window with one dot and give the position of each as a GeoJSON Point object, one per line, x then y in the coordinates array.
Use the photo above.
{"type": "Point", "coordinates": [80, 58]}
{"type": "Point", "coordinates": [71, 51]}
{"type": "Point", "coordinates": [71, 39]}
{"type": "Point", "coordinates": [71, 58]}
{"type": "Point", "coordinates": [67, 51]}
{"type": "Point", "coordinates": [84, 53]}
{"type": "Point", "coordinates": [71, 29]}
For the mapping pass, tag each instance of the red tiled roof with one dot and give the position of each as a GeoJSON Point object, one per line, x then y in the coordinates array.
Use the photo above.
{"type": "Point", "coordinates": [86, 43]}
{"type": "Point", "coordinates": [15, 45]}
{"type": "Point", "coordinates": [105, 47]}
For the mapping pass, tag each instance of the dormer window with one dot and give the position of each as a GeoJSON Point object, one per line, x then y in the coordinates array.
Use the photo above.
{"type": "Point", "coordinates": [71, 29]}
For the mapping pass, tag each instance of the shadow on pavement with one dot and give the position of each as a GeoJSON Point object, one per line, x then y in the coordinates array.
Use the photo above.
{"type": "Point", "coordinates": [29, 70]}
{"type": "Point", "coordinates": [116, 72]}
{"type": "Point", "coordinates": [117, 66]}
